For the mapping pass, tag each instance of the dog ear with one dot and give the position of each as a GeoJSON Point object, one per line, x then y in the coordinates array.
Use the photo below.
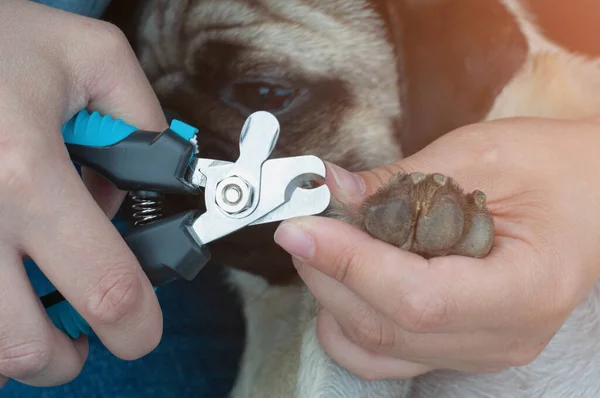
{"type": "Point", "coordinates": [457, 56]}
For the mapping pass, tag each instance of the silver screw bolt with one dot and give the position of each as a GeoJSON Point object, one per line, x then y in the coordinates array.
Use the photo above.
{"type": "Point", "coordinates": [233, 195]}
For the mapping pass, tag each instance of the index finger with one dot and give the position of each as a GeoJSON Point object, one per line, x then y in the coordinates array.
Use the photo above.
{"type": "Point", "coordinates": [440, 295]}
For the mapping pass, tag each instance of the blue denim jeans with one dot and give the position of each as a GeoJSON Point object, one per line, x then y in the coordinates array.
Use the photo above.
{"type": "Point", "coordinates": [202, 338]}
{"type": "Point", "coordinates": [89, 8]}
{"type": "Point", "coordinates": [197, 357]}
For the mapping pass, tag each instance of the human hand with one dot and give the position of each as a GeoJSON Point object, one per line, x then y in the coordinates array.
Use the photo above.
{"type": "Point", "coordinates": [389, 313]}
{"type": "Point", "coordinates": [54, 64]}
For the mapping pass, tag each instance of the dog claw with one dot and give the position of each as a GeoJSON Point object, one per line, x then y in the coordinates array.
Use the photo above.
{"type": "Point", "coordinates": [417, 177]}
{"type": "Point", "coordinates": [479, 198]}
{"type": "Point", "coordinates": [440, 179]}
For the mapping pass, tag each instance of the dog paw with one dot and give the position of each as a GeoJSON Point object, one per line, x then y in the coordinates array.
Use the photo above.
{"type": "Point", "coordinates": [426, 214]}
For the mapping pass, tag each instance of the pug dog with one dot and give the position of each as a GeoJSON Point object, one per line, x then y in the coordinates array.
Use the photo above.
{"type": "Point", "coordinates": [363, 83]}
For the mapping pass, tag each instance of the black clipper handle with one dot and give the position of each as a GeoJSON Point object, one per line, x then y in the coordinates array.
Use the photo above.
{"type": "Point", "coordinates": [142, 161]}
{"type": "Point", "coordinates": [167, 249]}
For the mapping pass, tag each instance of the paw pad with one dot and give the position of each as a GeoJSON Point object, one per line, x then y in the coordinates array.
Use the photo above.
{"type": "Point", "coordinates": [428, 214]}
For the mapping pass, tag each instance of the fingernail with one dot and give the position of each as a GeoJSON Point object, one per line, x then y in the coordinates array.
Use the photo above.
{"type": "Point", "coordinates": [294, 240]}
{"type": "Point", "coordinates": [349, 183]}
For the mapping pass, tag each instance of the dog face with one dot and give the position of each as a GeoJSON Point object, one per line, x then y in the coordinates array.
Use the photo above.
{"type": "Point", "coordinates": [324, 69]}
{"type": "Point", "coordinates": [359, 83]}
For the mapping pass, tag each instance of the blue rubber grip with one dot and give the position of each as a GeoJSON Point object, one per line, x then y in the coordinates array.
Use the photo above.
{"type": "Point", "coordinates": [65, 318]}
{"type": "Point", "coordinates": [95, 130]}
{"type": "Point", "coordinates": [68, 320]}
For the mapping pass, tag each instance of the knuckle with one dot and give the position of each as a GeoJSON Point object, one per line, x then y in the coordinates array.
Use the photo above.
{"type": "Point", "coordinates": [366, 332]}
{"type": "Point", "coordinates": [108, 55]}
{"type": "Point", "coordinates": [371, 330]}
{"type": "Point", "coordinates": [24, 359]}
{"type": "Point", "coordinates": [481, 142]}
{"type": "Point", "coordinates": [422, 313]}
{"type": "Point", "coordinates": [112, 38]}
{"type": "Point", "coordinates": [15, 169]}
{"type": "Point", "coordinates": [346, 265]}
{"type": "Point", "coordinates": [114, 297]}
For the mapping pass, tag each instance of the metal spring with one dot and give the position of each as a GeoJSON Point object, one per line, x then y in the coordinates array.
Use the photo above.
{"type": "Point", "coordinates": [147, 207]}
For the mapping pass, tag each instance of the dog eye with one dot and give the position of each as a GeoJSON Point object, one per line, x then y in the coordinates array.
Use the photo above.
{"type": "Point", "coordinates": [261, 96]}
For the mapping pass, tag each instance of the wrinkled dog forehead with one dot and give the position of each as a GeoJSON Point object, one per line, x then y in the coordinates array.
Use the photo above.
{"type": "Point", "coordinates": [341, 38]}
